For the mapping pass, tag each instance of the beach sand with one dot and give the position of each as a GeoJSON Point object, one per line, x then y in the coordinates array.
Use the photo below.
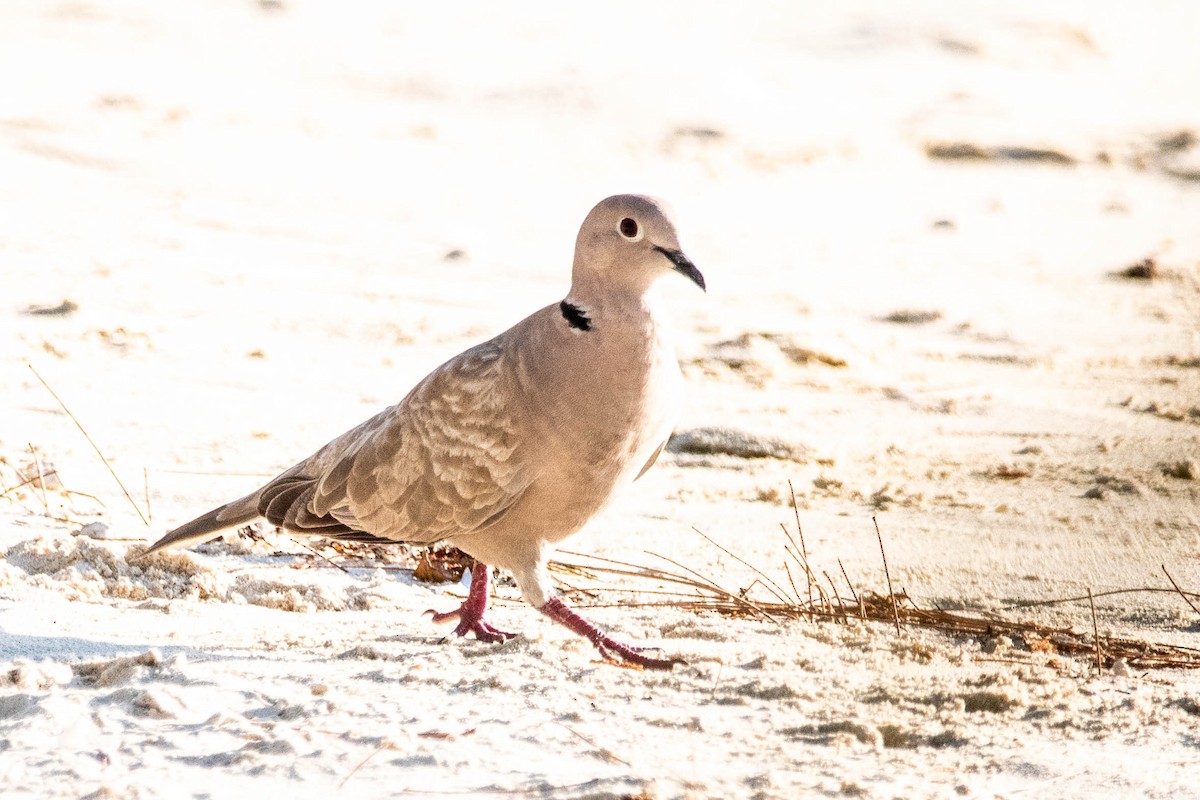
{"type": "Point", "coordinates": [953, 262]}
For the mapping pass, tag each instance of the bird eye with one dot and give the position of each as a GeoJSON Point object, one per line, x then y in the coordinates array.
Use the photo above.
{"type": "Point", "coordinates": [629, 229]}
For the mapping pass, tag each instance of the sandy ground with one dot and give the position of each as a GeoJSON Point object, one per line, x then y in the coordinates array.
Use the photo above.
{"type": "Point", "coordinates": [271, 219]}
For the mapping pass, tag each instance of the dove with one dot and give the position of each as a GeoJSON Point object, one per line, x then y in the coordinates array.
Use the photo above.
{"type": "Point", "coordinates": [514, 444]}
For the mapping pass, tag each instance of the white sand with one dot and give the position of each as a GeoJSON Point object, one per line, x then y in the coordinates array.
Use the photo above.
{"type": "Point", "coordinates": [253, 208]}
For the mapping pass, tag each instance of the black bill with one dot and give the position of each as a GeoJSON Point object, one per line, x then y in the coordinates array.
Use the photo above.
{"type": "Point", "coordinates": [683, 266]}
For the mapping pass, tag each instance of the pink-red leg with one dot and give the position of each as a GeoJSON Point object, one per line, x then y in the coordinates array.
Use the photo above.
{"type": "Point", "coordinates": [609, 648]}
{"type": "Point", "coordinates": [470, 613]}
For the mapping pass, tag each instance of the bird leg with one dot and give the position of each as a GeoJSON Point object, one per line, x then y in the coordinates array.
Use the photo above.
{"type": "Point", "coordinates": [609, 648]}
{"type": "Point", "coordinates": [470, 613]}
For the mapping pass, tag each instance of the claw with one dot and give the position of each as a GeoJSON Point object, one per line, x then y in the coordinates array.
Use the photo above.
{"type": "Point", "coordinates": [470, 613]}
{"type": "Point", "coordinates": [610, 649]}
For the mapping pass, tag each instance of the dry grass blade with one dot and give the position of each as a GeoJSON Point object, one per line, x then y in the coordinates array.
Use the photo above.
{"type": "Point", "coordinates": [1182, 593]}
{"type": "Point", "coordinates": [146, 487]}
{"type": "Point", "coordinates": [1058, 601]}
{"type": "Point", "coordinates": [82, 430]}
{"type": "Point", "coordinates": [793, 551]}
{"type": "Point", "coordinates": [771, 585]}
{"type": "Point", "coordinates": [320, 555]}
{"type": "Point", "coordinates": [799, 527]}
{"type": "Point", "coordinates": [700, 586]}
{"type": "Point", "coordinates": [791, 582]}
{"type": "Point", "coordinates": [20, 485]}
{"type": "Point", "coordinates": [703, 597]}
{"type": "Point", "coordinates": [41, 479]}
{"type": "Point", "coordinates": [609, 755]}
{"type": "Point", "coordinates": [837, 600]}
{"type": "Point", "coordinates": [1096, 633]}
{"type": "Point", "coordinates": [629, 569]}
{"type": "Point", "coordinates": [694, 592]}
{"type": "Point", "coordinates": [802, 548]}
{"type": "Point", "coordinates": [92, 497]}
{"type": "Point", "coordinates": [713, 587]}
{"type": "Point", "coordinates": [360, 765]}
{"type": "Point", "coordinates": [853, 593]}
{"type": "Point", "coordinates": [888, 575]}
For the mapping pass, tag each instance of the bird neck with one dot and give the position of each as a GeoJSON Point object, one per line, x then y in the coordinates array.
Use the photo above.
{"type": "Point", "coordinates": [607, 311]}
{"type": "Point", "coordinates": [605, 303]}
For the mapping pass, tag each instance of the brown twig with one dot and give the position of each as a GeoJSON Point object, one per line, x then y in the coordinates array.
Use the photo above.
{"type": "Point", "coordinates": [700, 597]}
{"type": "Point", "coordinates": [1177, 589]}
{"type": "Point", "coordinates": [88, 496]}
{"type": "Point", "coordinates": [802, 548]}
{"type": "Point", "coordinates": [604, 751]}
{"type": "Point", "coordinates": [799, 528]}
{"type": "Point", "coordinates": [791, 582]}
{"type": "Point", "coordinates": [793, 550]}
{"type": "Point", "coordinates": [146, 487]}
{"type": "Point", "coordinates": [773, 587]}
{"type": "Point", "coordinates": [698, 583]}
{"type": "Point", "coordinates": [111, 471]}
{"type": "Point", "coordinates": [360, 765]}
{"type": "Point", "coordinates": [837, 600]}
{"type": "Point", "coordinates": [853, 593]}
{"type": "Point", "coordinates": [23, 483]}
{"type": "Point", "coordinates": [891, 592]}
{"type": "Point", "coordinates": [1095, 632]}
{"type": "Point", "coordinates": [638, 571]}
{"type": "Point", "coordinates": [714, 587]}
{"type": "Point", "coordinates": [1109, 593]}
{"type": "Point", "coordinates": [320, 555]}
{"type": "Point", "coordinates": [37, 463]}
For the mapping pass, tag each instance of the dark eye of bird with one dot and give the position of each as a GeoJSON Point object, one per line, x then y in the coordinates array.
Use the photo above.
{"type": "Point", "coordinates": [628, 228]}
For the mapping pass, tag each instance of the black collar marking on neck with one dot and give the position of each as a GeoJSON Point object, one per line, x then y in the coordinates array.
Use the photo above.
{"type": "Point", "coordinates": [575, 316]}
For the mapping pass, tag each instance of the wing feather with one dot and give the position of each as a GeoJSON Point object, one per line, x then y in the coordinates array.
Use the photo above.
{"type": "Point", "coordinates": [446, 460]}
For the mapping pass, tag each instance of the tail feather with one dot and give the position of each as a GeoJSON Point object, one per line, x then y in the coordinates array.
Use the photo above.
{"type": "Point", "coordinates": [207, 526]}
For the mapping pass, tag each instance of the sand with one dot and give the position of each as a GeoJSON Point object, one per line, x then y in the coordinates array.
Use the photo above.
{"type": "Point", "coordinates": [954, 284]}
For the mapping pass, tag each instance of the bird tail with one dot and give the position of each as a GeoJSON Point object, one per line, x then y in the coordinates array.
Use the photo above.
{"type": "Point", "coordinates": [207, 526]}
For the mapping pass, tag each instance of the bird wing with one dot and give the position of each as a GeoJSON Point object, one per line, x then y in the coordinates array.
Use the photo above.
{"type": "Point", "coordinates": [446, 460]}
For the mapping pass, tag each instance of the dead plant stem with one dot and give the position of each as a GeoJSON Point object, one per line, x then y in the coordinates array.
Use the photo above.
{"type": "Point", "coordinates": [1179, 590]}
{"type": "Point", "coordinates": [773, 587]}
{"type": "Point", "coordinates": [37, 464]}
{"type": "Point", "coordinates": [90, 441]}
{"type": "Point", "coordinates": [888, 575]}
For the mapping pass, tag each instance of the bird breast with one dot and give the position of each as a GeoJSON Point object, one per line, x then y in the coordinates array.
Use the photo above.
{"type": "Point", "coordinates": [599, 421]}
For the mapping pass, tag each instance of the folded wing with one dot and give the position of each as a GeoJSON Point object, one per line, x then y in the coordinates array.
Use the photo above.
{"type": "Point", "coordinates": [448, 459]}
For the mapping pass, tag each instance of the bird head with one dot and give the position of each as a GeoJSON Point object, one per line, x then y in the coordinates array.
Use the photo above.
{"type": "Point", "coordinates": [628, 242]}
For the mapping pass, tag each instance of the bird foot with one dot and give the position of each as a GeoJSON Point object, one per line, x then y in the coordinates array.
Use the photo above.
{"type": "Point", "coordinates": [610, 649]}
{"type": "Point", "coordinates": [470, 613]}
{"type": "Point", "coordinates": [471, 622]}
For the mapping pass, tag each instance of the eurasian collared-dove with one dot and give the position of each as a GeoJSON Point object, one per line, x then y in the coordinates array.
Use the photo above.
{"type": "Point", "coordinates": [514, 444]}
